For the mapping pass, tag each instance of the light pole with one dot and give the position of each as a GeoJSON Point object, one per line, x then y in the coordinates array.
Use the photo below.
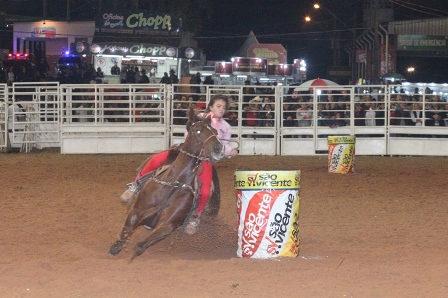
{"type": "Point", "coordinates": [335, 41]}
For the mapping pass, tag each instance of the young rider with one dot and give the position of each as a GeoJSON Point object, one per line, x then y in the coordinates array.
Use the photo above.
{"type": "Point", "coordinates": [216, 110]}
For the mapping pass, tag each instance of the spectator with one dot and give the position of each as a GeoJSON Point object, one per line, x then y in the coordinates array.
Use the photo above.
{"type": "Point", "coordinates": [380, 114]}
{"type": "Point", "coordinates": [304, 115]}
{"type": "Point", "coordinates": [267, 115]}
{"type": "Point", "coordinates": [136, 75]}
{"type": "Point", "coordinates": [173, 78]}
{"type": "Point", "coordinates": [195, 80]}
{"type": "Point", "coordinates": [11, 76]}
{"type": "Point", "coordinates": [143, 77]}
{"type": "Point", "coordinates": [208, 80]}
{"type": "Point", "coordinates": [165, 79]}
{"type": "Point", "coordinates": [123, 75]}
{"type": "Point", "coordinates": [359, 115]}
{"type": "Point", "coordinates": [435, 115]}
{"type": "Point", "coordinates": [232, 111]}
{"type": "Point", "coordinates": [336, 121]}
{"type": "Point", "coordinates": [99, 76]}
{"type": "Point", "coordinates": [130, 76]}
{"type": "Point", "coordinates": [248, 91]}
{"type": "Point", "coordinates": [251, 112]}
{"type": "Point", "coordinates": [179, 111]}
{"type": "Point", "coordinates": [401, 114]}
{"type": "Point", "coordinates": [201, 103]}
{"type": "Point", "coordinates": [115, 70]}
{"type": "Point", "coordinates": [289, 115]}
{"type": "Point", "coordinates": [417, 115]}
{"type": "Point", "coordinates": [370, 117]}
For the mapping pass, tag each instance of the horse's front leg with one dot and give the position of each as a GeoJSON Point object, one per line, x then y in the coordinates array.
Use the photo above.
{"type": "Point", "coordinates": [160, 232]}
{"type": "Point", "coordinates": [133, 221]}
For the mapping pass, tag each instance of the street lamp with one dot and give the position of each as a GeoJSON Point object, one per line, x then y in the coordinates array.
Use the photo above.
{"type": "Point", "coordinates": [335, 42]}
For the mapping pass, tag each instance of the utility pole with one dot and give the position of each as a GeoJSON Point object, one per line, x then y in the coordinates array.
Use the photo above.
{"type": "Point", "coordinates": [376, 52]}
{"type": "Point", "coordinates": [44, 16]}
{"type": "Point", "coordinates": [68, 10]}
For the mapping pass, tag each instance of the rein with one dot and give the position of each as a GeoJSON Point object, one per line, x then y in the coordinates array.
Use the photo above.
{"type": "Point", "coordinates": [178, 185]}
{"type": "Point", "coordinates": [198, 157]}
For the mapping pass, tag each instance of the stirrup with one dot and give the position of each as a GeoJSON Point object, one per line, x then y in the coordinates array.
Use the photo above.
{"type": "Point", "coordinates": [131, 186]}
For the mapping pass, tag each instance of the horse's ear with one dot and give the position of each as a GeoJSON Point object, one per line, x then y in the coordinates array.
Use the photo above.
{"type": "Point", "coordinates": [191, 115]}
{"type": "Point", "coordinates": [191, 118]}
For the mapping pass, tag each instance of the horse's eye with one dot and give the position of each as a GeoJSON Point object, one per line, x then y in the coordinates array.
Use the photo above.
{"type": "Point", "coordinates": [198, 132]}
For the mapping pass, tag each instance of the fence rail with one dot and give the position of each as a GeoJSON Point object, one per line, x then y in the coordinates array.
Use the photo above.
{"type": "Point", "coordinates": [267, 120]}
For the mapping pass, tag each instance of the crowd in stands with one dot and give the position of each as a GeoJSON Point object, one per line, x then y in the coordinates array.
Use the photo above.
{"type": "Point", "coordinates": [333, 109]}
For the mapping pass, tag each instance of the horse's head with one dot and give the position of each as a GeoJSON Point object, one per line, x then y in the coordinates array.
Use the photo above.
{"type": "Point", "coordinates": [201, 130]}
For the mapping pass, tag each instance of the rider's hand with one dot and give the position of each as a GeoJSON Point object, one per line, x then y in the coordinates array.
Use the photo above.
{"type": "Point", "coordinates": [233, 152]}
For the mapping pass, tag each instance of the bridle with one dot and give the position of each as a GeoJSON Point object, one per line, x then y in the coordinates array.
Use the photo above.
{"type": "Point", "coordinates": [203, 143]}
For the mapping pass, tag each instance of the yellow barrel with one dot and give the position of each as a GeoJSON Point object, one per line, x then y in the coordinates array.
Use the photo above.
{"type": "Point", "coordinates": [268, 213]}
{"type": "Point", "coordinates": [341, 154]}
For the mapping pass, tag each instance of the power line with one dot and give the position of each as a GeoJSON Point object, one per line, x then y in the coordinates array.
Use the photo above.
{"type": "Point", "coordinates": [418, 8]}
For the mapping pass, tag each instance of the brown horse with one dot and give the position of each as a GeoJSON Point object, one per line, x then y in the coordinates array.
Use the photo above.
{"type": "Point", "coordinates": [167, 198]}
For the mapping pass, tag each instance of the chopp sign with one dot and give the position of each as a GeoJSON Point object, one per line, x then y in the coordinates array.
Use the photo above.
{"type": "Point", "coordinates": [148, 50]}
{"type": "Point", "coordinates": [151, 50]}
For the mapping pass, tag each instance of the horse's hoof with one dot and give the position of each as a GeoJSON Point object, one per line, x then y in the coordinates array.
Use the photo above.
{"type": "Point", "coordinates": [115, 249]}
{"type": "Point", "coordinates": [140, 248]}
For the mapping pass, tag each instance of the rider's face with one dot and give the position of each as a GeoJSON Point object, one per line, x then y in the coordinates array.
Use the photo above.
{"type": "Point", "coordinates": [218, 108]}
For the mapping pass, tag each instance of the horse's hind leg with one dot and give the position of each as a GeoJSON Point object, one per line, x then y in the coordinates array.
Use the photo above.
{"type": "Point", "coordinates": [157, 234]}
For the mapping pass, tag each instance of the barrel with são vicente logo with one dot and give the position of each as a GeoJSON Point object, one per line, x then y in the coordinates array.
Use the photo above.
{"type": "Point", "coordinates": [341, 154]}
{"type": "Point", "coordinates": [268, 213]}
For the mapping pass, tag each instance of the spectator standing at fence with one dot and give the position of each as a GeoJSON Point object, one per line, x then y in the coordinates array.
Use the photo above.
{"type": "Point", "coordinates": [289, 114]}
{"type": "Point", "coordinates": [99, 76]}
{"type": "Point", "coordinates": [173, 77]}
{"type": "Point", "coordinates": [115, 70]}
{"type": "Point", "coordinates": [123, 74]}
{"type": "Point", "coordinates": [401, 114]}
{"type": "Point", "coordinates": [251, 112]}
{"type": "Point", "coordinates": [195, 80]}
{"type": "Point", "coordinates": [130, 76]}
{"type": "Point", "coordinates": [304, 115]}
{"type": "Point", "coordinates": [143, 77]}
{"type": "Point", "coordinates": [359, 115]}
{"type": "Point", "coordinates": [208, 80]}
{"type": "Point", "coordinates": [417, 115]}
{"type": "Point", "coordinates": [232, 111]}
{"type": "Point", "coordinates": [336, 121]}
{"type": "Point", "coordinates": [165, 79]}
{"type": "Point", "coordinates": [136, 75]}
{"type": "Point", "coordinates": [380, 114]}
{"type": "Point", "coordinates": [267, 115]}
{"type": "Point", "coordinates": [370, 117]}
{"type": "Point", "coordinates": [445, 115]}
{"type": "Point", "coordinates": [11, 75]}
{"type": "Point", "coordinates": [248, 92]}
{"type": "Point", "coordinates": [434, 113]}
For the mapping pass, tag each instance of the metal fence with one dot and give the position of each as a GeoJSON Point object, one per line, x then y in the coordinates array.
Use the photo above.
{"type": "Point", "coordinates": [267, 120]}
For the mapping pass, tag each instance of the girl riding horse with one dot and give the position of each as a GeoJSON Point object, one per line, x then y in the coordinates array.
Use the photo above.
{"type": "Point", "coordinates": [216, 109]}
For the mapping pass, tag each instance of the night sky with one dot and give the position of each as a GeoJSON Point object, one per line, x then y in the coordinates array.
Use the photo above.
{"type": "Point", "coordinates": [281, 21]}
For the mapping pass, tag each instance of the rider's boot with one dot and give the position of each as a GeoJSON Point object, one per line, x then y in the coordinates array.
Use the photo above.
{"type": "Point", "coordinates": [193, 224]}
{"type": "Point", "coordinates": [128, 194]}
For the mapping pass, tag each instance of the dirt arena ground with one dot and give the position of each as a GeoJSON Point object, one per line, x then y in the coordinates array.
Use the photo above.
{"type": "Point", "coordinates": [380, 232]}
